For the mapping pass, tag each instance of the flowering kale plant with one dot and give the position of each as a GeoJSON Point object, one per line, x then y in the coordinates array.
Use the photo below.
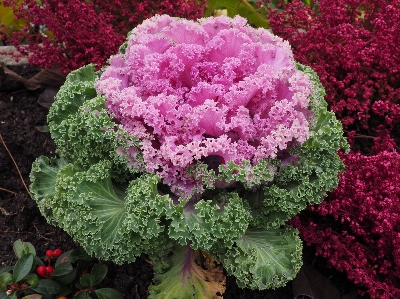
{"type": "Point", "coordinates": [194, 146]}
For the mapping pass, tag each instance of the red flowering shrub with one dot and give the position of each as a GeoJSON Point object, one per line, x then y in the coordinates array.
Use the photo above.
{"type": "Point", "coordinates": [357, 229]}
{"type": "Point", "coordinates": [88, 31]}
{"type": "Point", "coordinates": [351, 44]}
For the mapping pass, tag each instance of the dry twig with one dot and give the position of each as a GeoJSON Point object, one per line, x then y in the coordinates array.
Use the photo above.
{"type": "Point", "coordinates": [19, 172]}
{"type": "Point", "coordinates": [3, 189]}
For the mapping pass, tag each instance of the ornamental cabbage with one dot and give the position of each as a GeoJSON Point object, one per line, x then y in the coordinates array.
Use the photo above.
{"type": "Point", "coordinates": [194, 146]}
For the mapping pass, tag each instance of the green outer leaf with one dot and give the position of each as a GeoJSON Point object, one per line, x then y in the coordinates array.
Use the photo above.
{"type": "Point", "coordinates": [47, 286]}
{"type": "Point", "coordinates": [5, 279]}
{"type": "Point", "coordinates": [108, 293]}
{"type": "Point", "coordinates": [22, 248]}
{"type": "Point", "coordinates": [22, 267]}
{"type": "Point", "coordinates": [207, 223]}
{"type": "Point", "coordinates": [43, 178]}
{"type": "Point", "coordinates": [3, 295]}
{"type": "Point", "coordinates": [99, 271]}
{"type": "Point", "coordinates": [255, 15]}
{"type": "Point", "coordinates": [87, 280]}
{"type": "Point", "coordinates": [79, 123]}
{"type": "Point", "coordinates": [264, 259]}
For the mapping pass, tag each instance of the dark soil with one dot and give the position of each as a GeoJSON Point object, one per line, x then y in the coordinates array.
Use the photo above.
{"type": "Point", "coordinates": [21, 121]}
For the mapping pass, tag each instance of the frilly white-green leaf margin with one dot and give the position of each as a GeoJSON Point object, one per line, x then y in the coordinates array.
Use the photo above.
{"type": "Point", "coordinates": [264, 259]}
{"type": "Point", "coordinates": [117, 211]}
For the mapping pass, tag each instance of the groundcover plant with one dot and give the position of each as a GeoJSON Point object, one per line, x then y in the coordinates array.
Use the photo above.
{"type": "Point", "coordinates": [194, 146]}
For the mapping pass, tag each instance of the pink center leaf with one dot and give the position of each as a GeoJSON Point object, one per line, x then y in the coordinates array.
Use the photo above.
{"type": "Point", "coordinates": [208, 93]}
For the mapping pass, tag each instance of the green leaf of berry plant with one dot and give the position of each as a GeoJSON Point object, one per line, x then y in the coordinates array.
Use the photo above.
{"type": "Point", "coordinates": [6, 269]}
{"type": "Point", "coordinates": [12, 296]}
{"type": "Point", "coordinates": [5, 279]}
{"type": "Point", "coordinates": [99, 271]}
{"type": "Point", "coordinates": [87, 280]}
{"type": "Point", "coordinates": [108, 293]}
{"type": "Point", "coordinates": [33, 296]}
{"type": "Point", "coordinates": [47, 286]}
{"type": "Point", "coordinates": [62, 269]}
{"type": "Point", "coordinates": [23, 267]}
{"type": "Point", "coordinates": [83, 295]}
{"type": "Point", "coordinates": [22, 248]}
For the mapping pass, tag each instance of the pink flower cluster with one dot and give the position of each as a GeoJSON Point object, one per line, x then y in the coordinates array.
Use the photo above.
{"type": "Point", "coordinates": [351, 46]}
{"type": "Point", "coordinates": [215, 91]}
{"type": "Point", "coordinates": [359, 232]}
{"type": "Point", "coordinates": [86, 32]}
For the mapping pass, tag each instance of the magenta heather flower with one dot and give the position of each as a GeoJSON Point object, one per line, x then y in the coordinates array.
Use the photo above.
{"type": "Point", "coordinates": [356, 229]}
{"type": "Point", "coordinates": [79, 32]}
{"type": "Point", "coordinates": [214, 88]}
{"type": "Point", "coordinates": [350, 45]}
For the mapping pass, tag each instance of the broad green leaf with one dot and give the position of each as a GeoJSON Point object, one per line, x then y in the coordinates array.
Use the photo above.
{"type": "Point", "coordinates": [47, 286]}
{"type": "Point", "coordinates": [62, 269]}
{"type": "Point", "coordinates": [32, 279]}
{"type": "Point", "coordinates": [64, 258]}
{"type": "Point", "coordinates": [33, 296]}
{"type": "Point", "coordinates": [82, 295]}
{"type": "Point", "coordinates": [264, 259]}
{"type": "Point", "coordinates": [87, 280]}
{"type": "Point", "coordinates": [99, 271]}
{"type": "Point", "coordinates": [72, 256]}
{"type": "Point", "coordinates": [22, 267]}
{"type": "Point", "coordinates": [6, 269]}
{"type": "Point", "coordinates": [22, 248]}
{"type": "Point", "coordinates": [65, 290]}
{"type": "Point", "coordinates": [67, 278]}
{"type": "Point", "coordinates": [5, 279]}
{"type": "Point", "coordinates": [255, 15]}
{"type": "Point", "coordinates": [80, 254]}
{"type": "Point", "coordinates": [189, 277]}
{"type": "Point", "coordinates": [12, 296]}
{"type": "Point", "coordinates": [108, 293]}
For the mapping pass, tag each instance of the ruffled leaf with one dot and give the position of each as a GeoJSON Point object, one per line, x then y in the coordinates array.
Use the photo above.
{"type": "Point", "coordinates": [93, 209]}
{"type": "Point", "coordinates": [264, 259]}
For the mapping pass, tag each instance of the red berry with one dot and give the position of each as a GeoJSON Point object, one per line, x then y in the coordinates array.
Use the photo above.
{"type": "Point", "coordinates": [49, 269]}
{"type": "Point", "coordinates": [49, 253]}
{"type": "Point", "coordinates": [57, 252]}
{"type": "Point", "coordinates": [41, 270]}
